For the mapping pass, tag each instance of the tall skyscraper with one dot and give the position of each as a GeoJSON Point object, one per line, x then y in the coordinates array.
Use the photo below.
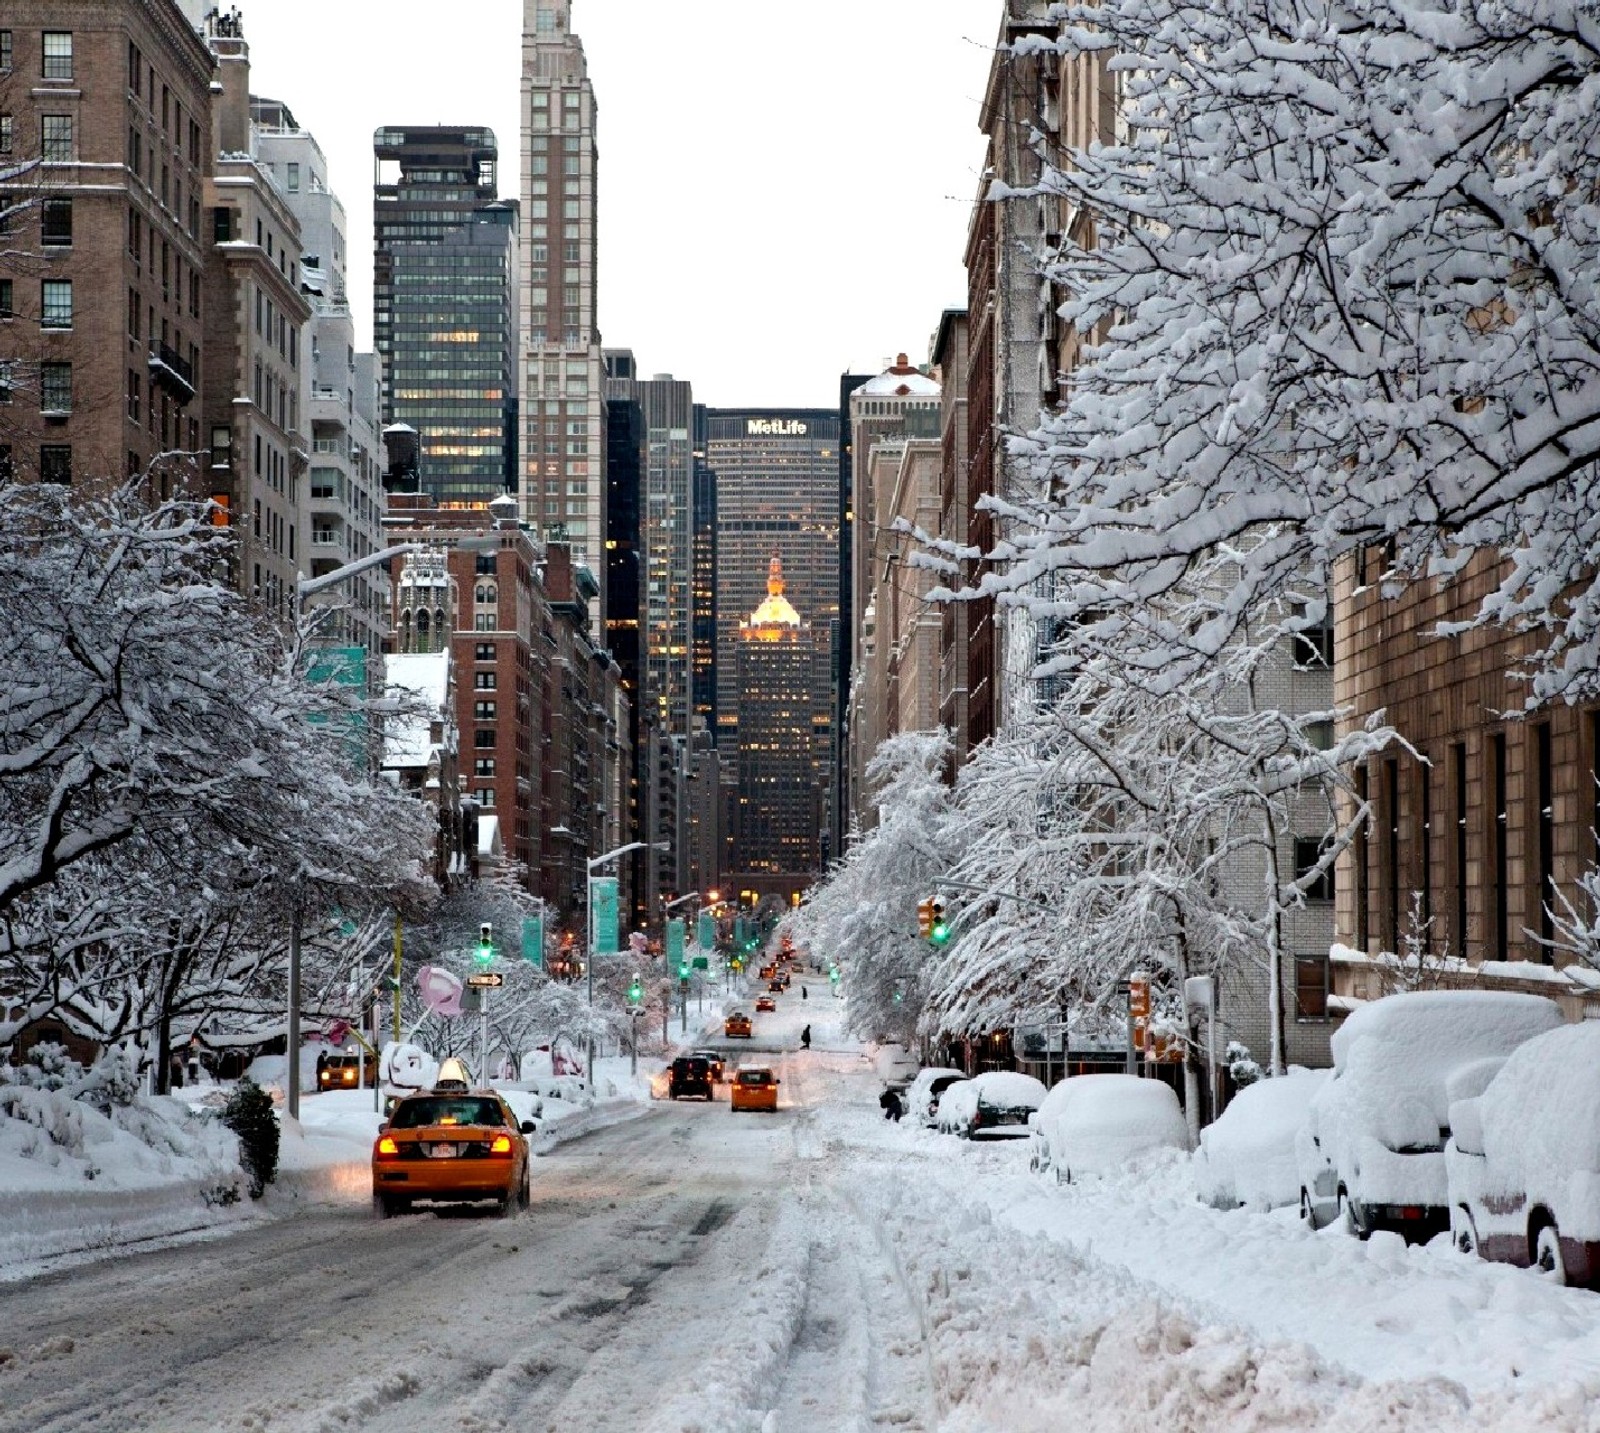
{"type": "Point", "coordinates": [560, 375]}
{"type": "Point", "coordinates": [444, 306]}
{"type": "Point", "coordinates": [703, 635]}
{"type": "Point", "coordinates": [781, 664]}
{"type": "Point", "coordinates": [777, 489]}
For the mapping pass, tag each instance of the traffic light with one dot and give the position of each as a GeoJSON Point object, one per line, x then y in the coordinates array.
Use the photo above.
{"type": "Point", "coordinates": [925, 918]}
{"type": "Point", "coordinates": [683, 970]}
{"type": "Point", "coordinates": [485, 952]}
{"type": "Point", "coordinates": [636, 991]}
{"type": "Point", "coordinates": [939, 930]}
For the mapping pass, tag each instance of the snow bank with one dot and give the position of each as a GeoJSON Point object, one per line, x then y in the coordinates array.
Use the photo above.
{"type": "Point", "coordinates": [75, 1179]}
{"type": "Point", "coordinates": [1247, 1157]}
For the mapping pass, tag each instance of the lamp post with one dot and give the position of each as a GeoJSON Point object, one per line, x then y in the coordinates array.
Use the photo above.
{"type": "Point", "coordinates": [590, 863]}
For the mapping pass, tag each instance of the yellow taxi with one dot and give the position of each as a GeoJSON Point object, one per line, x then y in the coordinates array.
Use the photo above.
{"type": "Point", "coordinates": [451, 1146]}
{"type": "Point", "coordinates": [736, 1026]}
{"type": "Point", "coordinates": [754, 1088]}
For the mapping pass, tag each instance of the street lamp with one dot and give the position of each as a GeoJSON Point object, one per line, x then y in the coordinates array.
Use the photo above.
{"type": "Point", "coordinates": [590, 863]}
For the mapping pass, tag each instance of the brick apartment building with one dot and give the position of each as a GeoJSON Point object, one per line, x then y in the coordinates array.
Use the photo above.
{"type": "Point", "coordinates": [101, 304]}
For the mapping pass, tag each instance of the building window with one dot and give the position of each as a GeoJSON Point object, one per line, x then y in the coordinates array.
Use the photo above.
{"type": "Point", "coordinates": [7, 133]}
{"type": "Point", "coordinates": [1313, 645]}
{"type": "Point", "coordinates": [483, 652]}
{"type": "Point", "coordinates": [55, 223]}
{"type": "Point", "coordinates": [484, 564]}
{"type": "Point", "coordinates": [1311, 987]}
{"type": "Point", "coordinates": [55, 388]}
{"type": "Point", "coordinates": [5, 51]}
{"type": "Point", "coordinates": [1458, 873]}
{"type": "Point", "coordinates": [485, 739]}
{"type": "Point", "coordinates": [55, 463]}
{"type": "Point", "coordinates": [1546, 829]}
{"type": "Point", "coordinates": [7, 299]}
{"type": "Point", "coordinates": [294, 178]}
{"type": "Point", "coordinates": [133, 395]}
{"type": "Point", "coordinates": [483, 711]}
{"type": "Point", "coordinates": [485, 795]}
{"type": "Point", "coordinates": [485, 681]}
{"type": "Point", "coordinates": [1501, 889]}
{"type": "Point", "coordinates": [483, 622]}
{"type": "Point", "coordinates": [55, 303]}
{"type": "Point", "coordinates": [55, 138]}
{"type": "Point", "coordinates": [483, 766]}
{"type": "Point", "coordinates": [1307, 851]}
{"type": "Point", "coordinates": [57, 55]}
{"type": "Point", "coordinates": [485, 594]}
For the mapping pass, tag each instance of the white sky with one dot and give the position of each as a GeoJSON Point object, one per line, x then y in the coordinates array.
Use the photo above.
{"type": "Point", "coordinates": [784, 188]}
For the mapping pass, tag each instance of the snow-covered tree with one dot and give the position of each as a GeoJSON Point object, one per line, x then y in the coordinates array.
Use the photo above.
{"type": "Point", "coordinates": [1345, 273]}
{"type": "Point", "coordinates": [864, 914]}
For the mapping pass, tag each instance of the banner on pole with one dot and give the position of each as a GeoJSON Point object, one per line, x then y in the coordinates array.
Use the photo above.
{"type": "Point", "coordinates": [708, 930]}
{"type": "Point", "coordinates": [604, 916]}
{"type": "Point", "coordinates": [533, 939]}
{"type": "Point", "coordinates": [675, 934]}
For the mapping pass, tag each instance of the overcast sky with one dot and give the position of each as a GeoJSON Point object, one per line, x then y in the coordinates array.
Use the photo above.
{"type": "Point", "coordinates": [784, 188]}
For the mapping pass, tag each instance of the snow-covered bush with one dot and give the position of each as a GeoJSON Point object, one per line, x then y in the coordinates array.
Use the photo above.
{"type": "Point", "coordinates": [113, 1081]}
{"type": "Point", "coordinates": [249, 1114]}
{"type": "Point", "coordinates": [1243, 1069]}
{"type": "Point", "coordinates": [48, 1066]}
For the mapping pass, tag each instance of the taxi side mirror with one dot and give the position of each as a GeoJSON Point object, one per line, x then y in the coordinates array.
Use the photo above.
{"type": "Point", "coordinates": [527, 1127]}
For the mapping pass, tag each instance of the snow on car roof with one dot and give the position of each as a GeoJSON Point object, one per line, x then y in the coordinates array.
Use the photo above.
{"type": "Point", "coordinates": [1435, 1030]}
{"type": "Point", "coordinates": [1008, 1087]}
{"type": "Point", "coordinates": [1542, 1111]}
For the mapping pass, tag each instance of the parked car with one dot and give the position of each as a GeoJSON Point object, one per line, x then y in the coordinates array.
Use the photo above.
{"type": "Point", "coordinates": [1523, 1160]}
{"type": "Point", "coordinates": [997, 1102]}
{"type": "Point", "coordinates": [1246, 1158]}
{"type": "Point", "coordinates": [690, 1076]}
{"type": "Point", "coordinates": [922, 1094]}
{"type": "Point", "coordinates": [1371, 1153]}
{"type": "Point", "coordinates": [1093, 1124]}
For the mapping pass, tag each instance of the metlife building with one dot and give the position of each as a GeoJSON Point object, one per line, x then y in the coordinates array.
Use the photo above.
{"type": "Point", "coordinates": [777, 482]}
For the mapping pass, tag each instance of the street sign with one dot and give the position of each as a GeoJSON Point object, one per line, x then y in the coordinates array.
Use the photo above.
{"type": "Point", "coordinates": [701, 962]}
{"type": "Point", "coordinates": [486, 977]}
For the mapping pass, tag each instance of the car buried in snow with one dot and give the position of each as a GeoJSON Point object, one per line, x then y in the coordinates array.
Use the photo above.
{"type": "Point", "coordinates": [1371, 1154]}
{"type": "Point", "coordinates": [997, 1102]}
{"type": "Point", "coordinates": [1523, 1159]}
{"type": "Point", "coordinates": [1093, 1124]}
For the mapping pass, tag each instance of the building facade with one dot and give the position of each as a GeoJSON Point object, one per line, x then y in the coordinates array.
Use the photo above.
{"type": "Point", "coordinates": [561, 370]}
{"type": "Point", "coordinates": [784, 743]}
{"type": "Point", "coordinates": [105, 121]}
{"type": "Point", "coordinates": [257, 386]}
{"type": "Point", "coordinates": [445, 269]}
{"type": "Point", "coordinates": [346, 498]}
{"type": "Point", "coordinates": [894, 431]}
{"type": "Point", "coordinates": [950, 362]}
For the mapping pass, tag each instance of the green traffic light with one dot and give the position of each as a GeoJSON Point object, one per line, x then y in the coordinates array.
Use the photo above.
{"type": "Point", "coordinates": [939, 934]}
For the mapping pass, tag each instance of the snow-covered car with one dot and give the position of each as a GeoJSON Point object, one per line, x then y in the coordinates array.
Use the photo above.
{"type": "Point", "coordinates": [997, 1102]}
{"type": "Point", "coordinates": [1092, 1124]}
{"type": "Point", "coordinates": [1246, 1158]}
{"type": "Point", "coordinates": [1371, 1153]}
{"type": "Point", "coordinates": [922, 1095]}
{"type": "Point", "coordinates": [1523, 1161]}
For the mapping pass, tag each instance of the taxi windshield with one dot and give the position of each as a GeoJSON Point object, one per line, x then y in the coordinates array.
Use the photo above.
{"type": "Point", "coordinates": [442, 1110]}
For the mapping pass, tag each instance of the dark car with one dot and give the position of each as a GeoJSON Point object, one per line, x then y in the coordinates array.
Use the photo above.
{"type": "Point", "coordinates": [691, 1075]}
{"type": "Point", "coordinates": [714, 1061]}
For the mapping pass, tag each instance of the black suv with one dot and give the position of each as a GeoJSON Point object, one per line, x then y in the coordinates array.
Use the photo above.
{"type": "Point", "coordinates": [691, 1075]}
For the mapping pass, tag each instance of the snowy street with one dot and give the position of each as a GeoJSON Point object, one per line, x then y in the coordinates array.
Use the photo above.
{"type": "Point", "coordinates": [821, 1269]}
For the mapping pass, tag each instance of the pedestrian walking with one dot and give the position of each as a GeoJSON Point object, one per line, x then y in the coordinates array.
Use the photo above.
{"type": "Point", "coordinates": [803, 994]}
{"type": "Point", "coordinates": [805, 1038]}
{"type": "Point", "coordinates": [892, 1108]}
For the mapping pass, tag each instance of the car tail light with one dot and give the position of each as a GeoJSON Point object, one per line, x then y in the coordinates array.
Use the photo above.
{"type": "Point", "coordinates": [501, 1145]}
{"type": "Point", "coordinates": [1410, 1211]}
{"type": "Point", "coordinates": [386, 1145]}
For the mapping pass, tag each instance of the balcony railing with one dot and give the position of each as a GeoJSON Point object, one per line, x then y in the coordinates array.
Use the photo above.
{"type": "Point", "coordinates": [171, 372]}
